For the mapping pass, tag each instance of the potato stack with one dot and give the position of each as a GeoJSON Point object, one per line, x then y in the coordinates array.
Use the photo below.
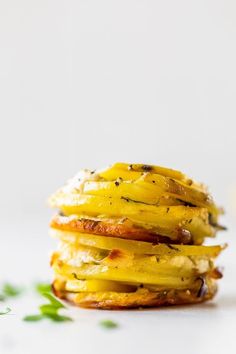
{"type": "Point", "coordinates": [132, 236]}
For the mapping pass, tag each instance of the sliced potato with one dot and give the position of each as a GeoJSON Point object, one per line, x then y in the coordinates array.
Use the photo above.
{"type": "Point", "coordinates": [139, 192]}
{"type": "Point", "coordinates": [87, 271]}
{"type": "Point", "coordinates": [167, 172]}
{"type": "Point", "coordinates": [109, 226]}
{"type": "Point", "coordinates": [105, 273]}
{"type": "Point", "coordinates": [98, 286]}
{"type": "Point", "coordinates": [118, 189]}
{"type": "Point", "coordinates": [152, 189]}
{"type": "Point", "coordinates": [77, 256]}
{"type": "Point", "coordinates": [135, 171]}
{"type": "Point", "coordinates": [137, 247]}
{"type": "Point", "coordinates": [141, 298]}
{"type": "Point", "coordinates": [118, 227]}
{"type": "Point", "coordinates": [166, 220]}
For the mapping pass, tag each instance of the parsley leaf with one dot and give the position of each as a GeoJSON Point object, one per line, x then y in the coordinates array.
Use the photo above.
{"type": "Point", "coordinates": [49, 310]}
{"type": "Point", "coordinates": [5, 312]}
{"type": "Point", "coordinates": [53, 301]}
{"type": "Point", "coordinates": [2, 297]}
{"type": "Point", "coordinates": [59, 318]}
{"type": "Point", "coordinates": [33, 318]}
{"type": "Point", "coordinates": [10, 290]}
{"type": "Point", "coordinates": [43, 288]}
{"type": "Point", "coordinates": [109, 324]}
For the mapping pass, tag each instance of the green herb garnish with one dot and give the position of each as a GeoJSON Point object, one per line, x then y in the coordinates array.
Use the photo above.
{"type": "Point", "coordinates": [2, 297]}
{"type": "Point", "coordinates": [33, 318]}
{"type": "Point", "coordinates": [109, 324]}
{"type": "Point", "coordinates": [5, 312]}
{"type": "Point", "coordinates": [10, 290]}
{"type": "Point", "coordinates": [49, 311]}
{"type": "Point", "coordinates": [43, 288]}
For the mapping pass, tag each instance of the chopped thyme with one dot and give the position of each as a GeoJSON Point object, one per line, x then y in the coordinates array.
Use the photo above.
{"type": "Point", "coordinates": [172, 247]}
{"type": "Point", "coordinates": [109, 324]}
{"type": "Point", "coordinates": [126, 199]}
{"type": "Point", "coordinates": [147, 168]}
{"type": "Point", "coordinates": [76, 277]}
{"type": "Point", "coordinates": [221, 227]}
{"type": "Point", "coordinates": [203, 287]}
{"type": "Point", "coordinates": [132, 200]}
{"type": "Point", "coordinates": [192, 260]}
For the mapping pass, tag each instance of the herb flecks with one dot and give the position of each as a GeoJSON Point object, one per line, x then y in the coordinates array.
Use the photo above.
{"type": "Point", "coordinates": [147, 168]}
{"type": "Point", "coordinates": [108, 324]}
{"type": "Point", "coordinates": [132, 200]}
{"type": "Point", "coordinates": [172, 247]}
{"type": "Point", "coordinates": [49, 311]}
{"type": "Point", "coordinates": [75, 276]}
{"type": "Point", "coordinates": [203, 287]}
{"type": "Point", "coordinates": [126, 199]}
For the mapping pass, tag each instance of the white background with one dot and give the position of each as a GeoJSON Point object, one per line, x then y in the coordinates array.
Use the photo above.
{"type": "Point", "coordinates": [86, 83]}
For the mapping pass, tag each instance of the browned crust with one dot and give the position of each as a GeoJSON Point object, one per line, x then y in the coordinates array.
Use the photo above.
{"type": "Point", "coordinates": [139, 299]}
{"type": "Point", "coordinates": [121, 230]}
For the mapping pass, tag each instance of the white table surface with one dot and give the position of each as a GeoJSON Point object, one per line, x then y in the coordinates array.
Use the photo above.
{"type": "Point", "coordinates": [202, 329]}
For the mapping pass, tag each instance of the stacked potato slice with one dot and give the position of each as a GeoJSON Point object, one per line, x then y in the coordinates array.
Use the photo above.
{"type": "Point", "coordinates": [131, 236]}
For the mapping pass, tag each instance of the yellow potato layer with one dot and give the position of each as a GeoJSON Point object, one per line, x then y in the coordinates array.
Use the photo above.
{"type": "Point", "coordinates": [87, 271]}
{"type": "Point", "coordinates": [97, 286]}
{"type": "Point", "coordinates": [137, 247]}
